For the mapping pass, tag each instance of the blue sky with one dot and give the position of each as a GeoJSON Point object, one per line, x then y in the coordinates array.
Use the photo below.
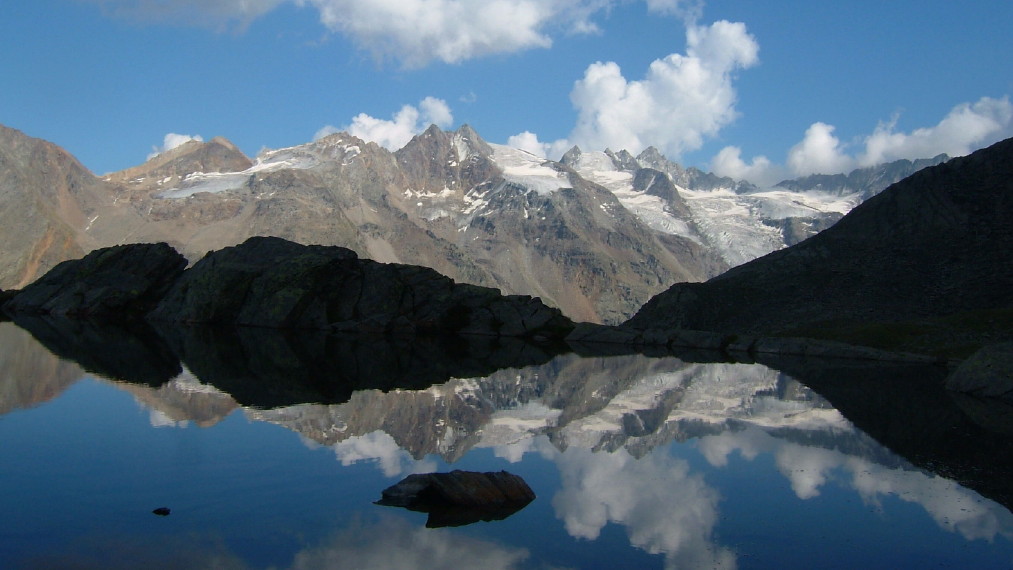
{"type": "Point", "coordinates": [757, 90]}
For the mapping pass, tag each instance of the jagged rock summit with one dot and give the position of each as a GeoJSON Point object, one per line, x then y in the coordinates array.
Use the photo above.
{"type": "Point", "coordinates": [938, 243]}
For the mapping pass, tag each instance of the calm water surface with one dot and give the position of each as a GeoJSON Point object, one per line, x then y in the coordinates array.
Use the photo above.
{"type": "Point", "coordinates": [636, 462]}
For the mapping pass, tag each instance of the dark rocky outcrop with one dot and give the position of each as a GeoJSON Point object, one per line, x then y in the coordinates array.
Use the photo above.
{"type": "Point", "coordinates": [988, 372]}
{"type": "Point", "coordinates": [937, 243]}
{"type": "Point", "coordinates": [113, 283]}
{"type": "Point", "coordinates": [460, 497]}
{"type": "Point", "coordinates": [271, 282]}
{"type": "Point", "coordinates": [4, 297]}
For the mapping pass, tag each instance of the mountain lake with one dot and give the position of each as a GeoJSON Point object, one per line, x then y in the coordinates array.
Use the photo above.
{"type": "Point", "coordinates": [636, 462]}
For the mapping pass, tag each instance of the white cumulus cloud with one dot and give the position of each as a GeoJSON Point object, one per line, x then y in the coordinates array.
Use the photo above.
{"type": "Point", "coordinates": [759, 170]}
{"type": "Point", "coordinates": [395, 132]}
{"type": "Point", "coordinates": [965, 128]}
{"type": "Point", "coordinates": [682, 100]}
{"type": "Point", "coordinates": [171, 141]}
{"type": "Point", "coordinates": [819, 152]}
{"type": "Point", "coordinates": [418, 32]}
{"type": "Point", "coordinates": [529, 142]}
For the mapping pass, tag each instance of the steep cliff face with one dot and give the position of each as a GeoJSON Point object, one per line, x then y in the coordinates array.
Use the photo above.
{"type": "Point", "coordinates": [937, 243]}
{"type": "Point", "coordinates": [45, 196]}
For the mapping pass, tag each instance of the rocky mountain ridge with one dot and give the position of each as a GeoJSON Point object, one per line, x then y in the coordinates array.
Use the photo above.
{"type": "Point", "coordinates": [595, 235]}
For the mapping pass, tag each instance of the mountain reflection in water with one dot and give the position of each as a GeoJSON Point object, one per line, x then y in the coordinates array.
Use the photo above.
{"type": "Point", "coordinates": [636, 461]}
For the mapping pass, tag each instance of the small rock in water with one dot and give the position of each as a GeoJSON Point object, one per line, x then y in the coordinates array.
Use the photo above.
{"type": "Point", "coordinates": [162, 511]}
{"type": "Point", "coordinates": [460, 497]}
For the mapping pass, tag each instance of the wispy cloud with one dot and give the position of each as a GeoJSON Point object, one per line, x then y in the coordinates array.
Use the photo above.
{"type": "Point", "coordinates": [215, 14]}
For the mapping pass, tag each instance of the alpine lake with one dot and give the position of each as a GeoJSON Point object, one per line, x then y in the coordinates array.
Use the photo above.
{"type": "Point", "coordinates": [200, 448]}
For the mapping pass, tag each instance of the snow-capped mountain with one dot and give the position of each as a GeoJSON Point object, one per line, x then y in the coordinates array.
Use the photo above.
{"type": "Point", "coordinates": [596, 234]}
{"type": "Point", "coordinates": [738, 221]}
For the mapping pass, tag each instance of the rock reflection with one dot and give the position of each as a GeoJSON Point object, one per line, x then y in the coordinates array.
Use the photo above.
{"type": "Point", "coordinates": [131, 353]}
{"type": "Point", "coordinates": [30, 374]}
{"type": "Point", "coordinates": [182, 400]}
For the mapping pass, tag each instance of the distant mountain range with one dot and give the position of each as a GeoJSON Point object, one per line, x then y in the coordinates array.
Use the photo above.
{"type": "Point", "coordinates": [596, 234]}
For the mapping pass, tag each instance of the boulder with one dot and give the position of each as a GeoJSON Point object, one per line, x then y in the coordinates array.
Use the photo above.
{"type": "Point", "coordinates": [112, 283]}
{"type": "Point", "coordinates": [460, 497]}
{"type": "Point", "coordinates": [988, 372]}
{"type": "Point", "coordinates": [271, 282]}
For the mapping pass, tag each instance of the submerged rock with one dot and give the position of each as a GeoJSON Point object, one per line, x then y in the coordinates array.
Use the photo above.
{"type": "Point", "coordinates": [460, 497]}
{"type": "Point", "coordinates": [110, 283]}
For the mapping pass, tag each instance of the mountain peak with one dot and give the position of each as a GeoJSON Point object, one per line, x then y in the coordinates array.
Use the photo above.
{"type": "Point", "coordinates": [572, 156]}
{"type": "Point", "coordinates": [432, 130]}
{"type": "Point", "coordinates": [469, 143]}
{"type": "Point", "coordinates": [217, 155]}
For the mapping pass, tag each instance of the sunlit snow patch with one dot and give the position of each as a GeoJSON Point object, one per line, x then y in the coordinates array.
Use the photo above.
{"type": "Point", "coordinates": [302, 157]}
{"type": "Point", "coordinates": [523, 168]}
{"type": "Point", "coordinates": [597, 167]}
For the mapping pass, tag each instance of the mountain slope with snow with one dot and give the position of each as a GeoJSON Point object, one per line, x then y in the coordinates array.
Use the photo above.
{"type": "Point", "coordinates": [596, 234]}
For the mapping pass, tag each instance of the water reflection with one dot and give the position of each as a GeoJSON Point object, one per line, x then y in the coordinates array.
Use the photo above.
{"type": "Point", "coordinates": [29, 375]}
{"type": "Point", "coordinates": [645, 445]}
{"type": "Point", "coordinates": [665, 507]}
{"type": "Point", "coordinates": [387, 543]}
{"type": "Point", "coordinates": [808, 469]}
{"type": "Point", "coordinates": [393, 543]}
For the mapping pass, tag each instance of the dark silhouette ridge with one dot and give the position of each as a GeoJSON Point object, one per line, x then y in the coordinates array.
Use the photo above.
{"type": "Point", "coordinates": [937, 243]}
